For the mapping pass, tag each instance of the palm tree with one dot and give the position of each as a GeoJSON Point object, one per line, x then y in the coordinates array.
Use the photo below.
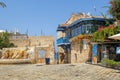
{"type": "Point", "coordinates": [2, 4]}
{"type": "Point", "coordinates": [114, 9]}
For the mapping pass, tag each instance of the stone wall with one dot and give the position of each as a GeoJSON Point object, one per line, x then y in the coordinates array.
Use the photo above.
{"type": "Point", "coordinates": [33, 41]}
{"type": "Point", "coordinates": [79, 52]}
{"type": "Point", "coordinates": [20, 42]}
{"type": "Point", "coordinates": [49, 53]}
{"type": "Point", "coordinates": [39, 42]}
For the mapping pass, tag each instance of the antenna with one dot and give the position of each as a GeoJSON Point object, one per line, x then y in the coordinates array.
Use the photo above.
{"type": "Point", "coordinates": [41, 33]}
{"type": "Point", "coordinates": [88, 14]}
{"type": "Point", "coordinates": [95, 8]}
{"type": "Point", "coordinates": [27, 33]}
{"type": "Point", "coordinates": [15, 31]}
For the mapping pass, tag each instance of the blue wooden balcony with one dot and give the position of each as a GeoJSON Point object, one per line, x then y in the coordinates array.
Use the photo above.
{"type": "Point", "coordinates": [63, 41]}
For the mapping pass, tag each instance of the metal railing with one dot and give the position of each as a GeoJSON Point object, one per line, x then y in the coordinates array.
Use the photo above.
{"type": "Point", "coordinates": [63, 41]}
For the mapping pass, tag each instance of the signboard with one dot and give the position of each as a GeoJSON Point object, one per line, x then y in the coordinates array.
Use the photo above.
{"type": "Point", "coordinates": [117, 50]}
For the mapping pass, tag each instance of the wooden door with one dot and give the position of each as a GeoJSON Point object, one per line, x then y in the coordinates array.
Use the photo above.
{"type": "Point", "coordinates": [41, 55]}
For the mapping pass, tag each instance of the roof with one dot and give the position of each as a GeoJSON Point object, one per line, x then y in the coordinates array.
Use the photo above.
{"type": "Point", "coordinates": [61, 28]}
{"type": "Point", "coordinates": [116, 36]}
{"type": "Point", "coordinates": [74, 17]}
{"type": "Point", "coordinates": [17, 34]}
{"type": "Point", "coordinates": [86, 19]}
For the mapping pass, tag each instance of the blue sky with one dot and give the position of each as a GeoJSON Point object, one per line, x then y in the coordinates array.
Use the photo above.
{"type": "Point", "coordinates": [45, 15]}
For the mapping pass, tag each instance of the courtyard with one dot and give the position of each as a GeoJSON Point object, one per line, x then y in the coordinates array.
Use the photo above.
{"type": "Point", "coordinates": [57, 72]}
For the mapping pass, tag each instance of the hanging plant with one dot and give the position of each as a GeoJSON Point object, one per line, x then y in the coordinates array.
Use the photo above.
{"type": "Point", "coordinates": [103, 33]}
{"type": "Point", "coordinates": [110, 32]}
{"type": "Point", "coordinates": [117, 29]}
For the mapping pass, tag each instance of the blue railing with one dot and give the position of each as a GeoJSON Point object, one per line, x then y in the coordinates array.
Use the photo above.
{"type": "Point", "coordinates": [63, 41]}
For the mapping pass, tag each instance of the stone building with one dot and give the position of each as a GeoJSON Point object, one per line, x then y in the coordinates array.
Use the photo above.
{"type": "Point", "coordinates": [19, 40]}
{"type": "Point", "coordinates": [63, 40]}
{"type": "Point", "coordinates": [73, 41]}
{"type": "Point", "coordinates": [44, 46]}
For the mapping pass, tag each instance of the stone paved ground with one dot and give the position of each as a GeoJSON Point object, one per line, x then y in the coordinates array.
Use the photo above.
{"type": "Point", "coordinates": [57, 72]}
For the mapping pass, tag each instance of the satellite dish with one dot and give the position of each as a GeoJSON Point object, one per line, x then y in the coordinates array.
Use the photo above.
{"type": "Point", "coordinates": [88, 14]}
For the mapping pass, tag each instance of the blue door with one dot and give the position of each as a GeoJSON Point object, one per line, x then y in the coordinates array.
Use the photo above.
{"type": "Point", "coordinates": [94, 50]}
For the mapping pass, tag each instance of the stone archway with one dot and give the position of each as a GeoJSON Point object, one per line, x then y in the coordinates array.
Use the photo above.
{"type": "Point", "coordinates": [61, 58]}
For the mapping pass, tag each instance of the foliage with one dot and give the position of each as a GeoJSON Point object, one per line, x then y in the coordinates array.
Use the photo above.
{"type": "Point", "coordinates": [110, 63]}
{"type": "Point", "coordinates": [117, 29]}
{"type": "Point", "coordinates": [82, 36]}
{"type": "Point", "coordinates": [107, 22]}
{"type": "Point", "coordinates": [114, 8]}
{"type": "Point", "coordinates": [105, 32]}
{"type": "Point", "coordinates": [4, 40]}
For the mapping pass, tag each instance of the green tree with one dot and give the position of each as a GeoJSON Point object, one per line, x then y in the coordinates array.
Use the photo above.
{"type": "Point", "coordinates": [4, 40]}
{"type": "Point", "coordinates": [114, 9]}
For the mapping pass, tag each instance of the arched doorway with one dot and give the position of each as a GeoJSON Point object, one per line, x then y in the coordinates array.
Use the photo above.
{"type": "Point", "coordinates": [61, 58]}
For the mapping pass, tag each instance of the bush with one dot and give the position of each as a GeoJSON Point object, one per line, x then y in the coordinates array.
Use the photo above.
{"type": "Point", "coordinates": [104, 60]}
{"type": "Point", "coordinates": [110, 63]}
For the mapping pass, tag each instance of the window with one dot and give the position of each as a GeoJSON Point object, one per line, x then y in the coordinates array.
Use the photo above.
{"type": "Point", "coordinates": [88, 28]}
{"type": "Point", "coordinates": [72, 32]}
{"type": "Point", "coordinates": [76, 31]}
{"type": "Point", "coordinates": [79, 29]}
{"type": "Point", "coordinates": [84, 44]}
{"type": "Point", "coordinates": [67, 34]}
{"type": "Point", "coordinates": [83, 29]}
{"type": "Point", "coordinates": [117, 50]}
